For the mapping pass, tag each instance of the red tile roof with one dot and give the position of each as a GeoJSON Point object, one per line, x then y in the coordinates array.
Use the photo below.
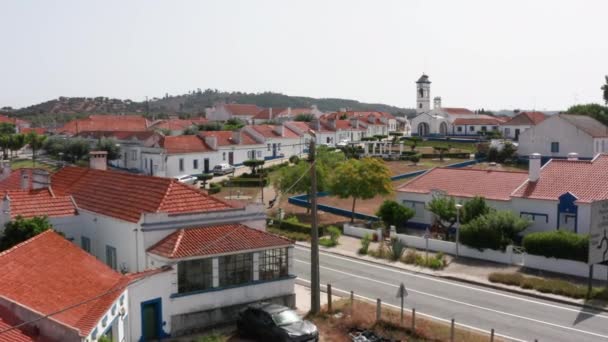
{"type": "Point", "coordinates": [477, 121]}
{"type": "Point", "coordinates": [224, 138]}
{"type": "Point", "coordinates": [37, 130]}
{"type": "Point", "coordinates": [457, 111]}
{"type": "Point", "coordinates": [359, 114]}
{"type": "Point", "coordinates": [40, 202]}
{"type": "Point", "coordinates": [213, 240]}
{"type": "Point", "coordinates": [184, 144]}
{"type": "Point", "coordinates": [127, 196]}
{"type": "Point", "coordinates": [106, 123]}
{"type": "Point", "coordinates": [13, 181]}
{"type": "Point", "coordinates": [587, 180]}
{"type": "Point", "coordinates": [22, 334]}
{"type": "Point", "coordinates": [118, 135]}
{"type": "Point", "coordinates": [177, 124]}
{"type": "Point", "coordinates": [47, 273]}
{"type": "Point", "coordinates": [526, 118]}
{"type": "Point", "coordinates": [494, 185]}
{"type": "Point", "coordinates": [268, 131]}
{"type": "Point", "coordinates": [14, 121]}
{"type": "Point", "coordinates": [242, 109]}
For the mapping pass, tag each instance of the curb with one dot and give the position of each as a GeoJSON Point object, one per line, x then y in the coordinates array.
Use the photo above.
{"type": "Point", "coordinates": [472, 282]}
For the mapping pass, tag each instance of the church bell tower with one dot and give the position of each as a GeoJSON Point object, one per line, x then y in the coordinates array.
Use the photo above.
{"type": "Point", "coordinates": [423, 94]}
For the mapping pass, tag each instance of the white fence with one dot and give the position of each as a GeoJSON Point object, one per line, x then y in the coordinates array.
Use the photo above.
{"type": "Point", "coordinates": [359, 232]}
{"type": "Point", "coordinates": [509, 257]}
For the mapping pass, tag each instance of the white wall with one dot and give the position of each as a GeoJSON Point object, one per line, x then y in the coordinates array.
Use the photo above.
{"type": "Point", "coordinates": [508, 131]}
{"type": "Point", "coordinates": [538, 139]}
{"type": "Point", "coordinates": [472, 129]}
{"type": "Point", "coordinates": [173, 161]}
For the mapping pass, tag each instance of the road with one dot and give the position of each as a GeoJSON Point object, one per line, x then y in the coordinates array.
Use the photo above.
{"type": "Point", "coordinates": [514, 317]}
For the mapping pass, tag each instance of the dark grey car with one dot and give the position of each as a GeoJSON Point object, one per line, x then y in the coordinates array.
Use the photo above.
{"type": "Point", "coordinates": [272, 322]}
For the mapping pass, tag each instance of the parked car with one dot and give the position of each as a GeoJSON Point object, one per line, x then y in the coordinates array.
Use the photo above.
{"type": "Point", "coordinates": [187, 179]}
{"type": "Point", "coordinates": [273, 322]}
{"type": "Point", "coordinates": [222, 169]}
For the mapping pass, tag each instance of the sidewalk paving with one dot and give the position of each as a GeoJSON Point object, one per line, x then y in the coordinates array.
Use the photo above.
{"type": "Point", "coordinates": [460, 269]}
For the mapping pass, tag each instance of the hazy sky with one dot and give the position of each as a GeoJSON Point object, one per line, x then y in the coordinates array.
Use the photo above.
{"type": "Point", "coordinates": [543, 54]}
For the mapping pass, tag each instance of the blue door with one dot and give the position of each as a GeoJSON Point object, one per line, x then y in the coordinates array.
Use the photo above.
{"type": "Point", "coordinates": [151, 320]}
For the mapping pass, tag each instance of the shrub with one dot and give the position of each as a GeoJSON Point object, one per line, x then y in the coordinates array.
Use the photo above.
{"type": "Point", "coordinates": [294, 159]}
{"type": "Point", "coordinates": [327, 242]}
{"type": "Point", "coordinates": [410, 257]}
{"type": "Point", "coordinates": [293, 224]}
{"type": "Point", "coordinates": [494, 230]}
{"type": "Point", "coordinates": [334, 234]}
{"type": "Point", "coordinates": [415, 158]}
{"type": "Point", "coordinates": [246, 181]}
{"type": "Point", "coordinates": [558, 244]}
{"type": "Point", "coordinates": [436, 262]}
{"type": "Point", "coordinates": [394, 214]}
{"type": "Point", "coordinates": [365, 241]}
{"type": "Point", "coordinates": [296, 236]}
{"type": "Point", "coordinates": [396, 248]}
{"type": "Point", "coordinates": [547, 285]}
{"type": "Point", "coordinates": [214, 188]}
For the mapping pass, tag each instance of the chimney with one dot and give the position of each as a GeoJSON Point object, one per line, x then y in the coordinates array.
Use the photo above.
{"type": "Point", "coordinates": [270, 113]}
{"type": "Point", "coordinates": [354, 122]}
{"type": "Point", "coordinates": [6, 169]}
{"type": "Point", "coordinates": [316, 124]}
{"type": "Point", "coordinates": [211, 141]}
{"type": "Point", "coordinates": [572, 156]}
{"type": "Point", "coordinates": [40, 179]}
{"type": "Point", "coordinates": [332, 123]}
{"type": "Point", "coordinates": [98, 160]}
{"type": "Point", "coordinates": [437, 102]}
{"type": "Point", "coordinates": [534, 167]}
{"type": "Point", "coordinates": [25, 179]}
{"type": "Point", "coordinates": [288, 112]}
{"type": "Point", "coordinates": [236, 136]}
{"type": "Point", "coordinates": [280, 130]}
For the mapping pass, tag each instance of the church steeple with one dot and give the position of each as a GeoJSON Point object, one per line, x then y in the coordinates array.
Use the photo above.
{"type": "Point", "coordinates": [423, 94]}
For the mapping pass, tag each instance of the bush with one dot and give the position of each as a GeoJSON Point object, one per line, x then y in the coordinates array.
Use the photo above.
{"type": "Point", "coordinates": [296, 236]}
{"type": "Point", "coordinates": [327, 242]}
{"type": "Point", "coordinates": [334, 233]}
{"type": "Point", "coordinates": [397, 247]}
{"type": "Point", "coordinates": [214, 188]}
{"type": "Point", "coordinates": [394, 214]}
{"type": "Point", "coordinates": [365, 241]}
{"type": "Point", "coordinates": [246, 181]}
{"type": "Point", "coordinates": [558, 244]}
{"type": "Point", "coordinates": [294, 159]}
{"type": "Point", "coordinates": [436, 262]}
{"type": "Point", "coordinates": [494, 230]}
{"type": "Point", "coordinates": [415, 158]}
{"type": "Point", "coordinates": [547, 285]}
{"type": "Point", "coordinates": [292, 224]}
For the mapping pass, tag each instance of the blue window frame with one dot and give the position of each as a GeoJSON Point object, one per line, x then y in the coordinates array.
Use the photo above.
{"type": "Point", "coordinates": [533, 216]}
{"type": "Point", "coordinates": [555, 147]}
{"type": "Point", "coordinates": [85, 242]}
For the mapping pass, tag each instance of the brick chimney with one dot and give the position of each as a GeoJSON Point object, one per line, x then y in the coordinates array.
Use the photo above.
{"type": "Point", "coordinates": [354, 122]}
{"type": "Point", "coordinates": [40, 179]}
{"type": "Point", "coordinates": [534, 167]}
{"type": "Point", "coordinates": [280, 130]}
{"type": "Point", "coordinates": [98, 160]}
{"type": "Point", "coordinates": [236, 136]}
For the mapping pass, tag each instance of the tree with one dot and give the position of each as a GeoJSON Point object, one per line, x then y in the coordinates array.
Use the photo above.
{"type": "Point", "coordinates": [415, 158]}
{"type": "Point", "coordinates": [494, 230]}
{"type": "Point", "coordinates": [415, 141]}
{"type": "Point", "coordinates": [5, 144]}
{"type": "Point", "coordinates": [254, 164]}
{"type": "Point", "coordinates": [36, 142]}
{"type": "Point", "coordinates": [394, 214]}
{"type": "Point", "coordinates": [192, 130]}
{"type": "Point", "coordinates": [110, 146]}
{"type": "Point", "coordinates": [474, 208]}
{"type": "Point", "coordinates": [605, 90]}
{"type": "Point", "coordinates": [304, 117]}
{"type": "Point", "coordinates": [441, 150]}
{"type": "Point", "coordinates": [16, 142]}
{"type": "Point", "coordinates": [508, 152]}
{"type": "Point", "coordinates": [76, 149]}
{"type": "Point", "coordinates": [7, 128]}
{"type": "Point", "coordinates": [54, 145]}
{"type": "Point", "coordinates": [444, 209]}
{"type": "Point", "coordinates": [361, 179]}
{"type": "Point", "coordinates": [233, 124]}
{"type": "Point", "coordinates": [594, 110]}
{"type": "Point", "coordinates": [20, 229]}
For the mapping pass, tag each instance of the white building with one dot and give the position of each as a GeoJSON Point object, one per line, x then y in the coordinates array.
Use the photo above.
{"type": "Point", "coordinates": [330, 131]}
{"type": "Point", "coordinates": [474, 126]}
{"type": "Point", "coordinates": [556, 196]}
{"type": "Point", "coordinates": [279, 115]}
{"type": "Point", "coordinates": [561, 134]}
{"type": "Point", "coordinates": [512, 128]}
{"type": "Point", "coordinates": [173, 237]}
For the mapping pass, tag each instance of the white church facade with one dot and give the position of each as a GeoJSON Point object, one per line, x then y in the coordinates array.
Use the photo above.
{"type": "Point", "coordinates": [442, 121]}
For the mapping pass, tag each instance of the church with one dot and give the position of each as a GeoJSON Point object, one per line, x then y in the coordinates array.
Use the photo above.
{"type": "Point", "coordinates": [443, 121]}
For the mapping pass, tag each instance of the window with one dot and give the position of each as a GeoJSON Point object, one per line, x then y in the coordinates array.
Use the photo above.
{"type": "Point", "coordinates": [279, 146]}
{"type": "Point", "coordinates": [471, 128]}
{"type": "Point", "coordinates": [459, 128]}
{"type": "Point", "coordinates": [555, 147]}
{"type": "Point", "coordinates": [85, 243]}
{"type": "Point", "coordinates": [328, 140]}
{"type": "Point", "coordinates": [259, 154]}
{"type": "Point", "coordinates": [534, 216]}
{"type": "Point", "coordinates": [273, 264]}
{"type": "Point", "coordinates": [236, 269]}
{"type": "Point", "coordinates": [195, 164]}
{"type": "Point", "coordinates": [111, 257]}
{"type": "Point", "coordinates": [484, 128]}
{"type": "Point", "coordinates": [268, 147]}
{"type": "Point", "coordinates": [146, 163]}
{"type": "Point", "coordinates": [420, 105]}
{"type": "Point", "coordinates": [223, 155]}
{"type": "Point", "coordinates": [181, 164]}
{"type": "Point", "coordinates": [507, 132]}
{"type": "Point", "coordinates": [134, 155]}
{"type": "Point", "coordinates": [495, 128]}
{"type": "Point", "coordinates": [194, 275]}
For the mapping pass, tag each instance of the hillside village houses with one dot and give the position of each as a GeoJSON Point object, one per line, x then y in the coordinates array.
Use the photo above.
{"type": "Point", "coordinates": [175, 234]}
{"type": "Point", "coordinates": [556, 196]}
{"type": "Point", "coordinates": [512, 128]}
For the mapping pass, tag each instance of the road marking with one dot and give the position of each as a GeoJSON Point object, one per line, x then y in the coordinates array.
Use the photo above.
{"type": "Point", "coordinates": [371, 300]}
{"type": "Point", "coordinates": [463, 303]}
{"type": "Point", "coordinates": [588, 312]}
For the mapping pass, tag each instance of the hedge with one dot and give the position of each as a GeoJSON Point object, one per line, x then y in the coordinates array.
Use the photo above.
{"type": "Point", "coordinates": [245, 182]}
{"type": "Point", "coordinates": [297, 227]}
{"type": "Point", "coordinates": [214, 188]}
{"type": "Point", "coordinates": [558, 244]}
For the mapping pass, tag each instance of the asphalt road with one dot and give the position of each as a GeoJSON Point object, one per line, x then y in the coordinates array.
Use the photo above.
{"type": "Point", "coordinates": [514, 317]}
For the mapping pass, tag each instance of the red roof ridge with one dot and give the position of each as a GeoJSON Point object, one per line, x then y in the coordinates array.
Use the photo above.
{"type": "Point", "coordinates": [478, 170]}
{"type": "Point", "coordinates": [19, 245]}
{"type": "Point", "coordinates": [180, 236]}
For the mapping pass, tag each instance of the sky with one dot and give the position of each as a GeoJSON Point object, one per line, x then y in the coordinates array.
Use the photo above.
{"type": "Point", "coordinates": [514, 54]}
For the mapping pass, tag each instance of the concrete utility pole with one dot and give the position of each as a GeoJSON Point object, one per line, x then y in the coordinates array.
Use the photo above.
{"type": "Point", "coordinates": [315, 286]}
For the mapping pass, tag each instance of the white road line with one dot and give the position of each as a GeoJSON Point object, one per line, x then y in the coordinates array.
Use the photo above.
{"type": "Point", "coordinates": [594, 313]}
{"type": "Point", "coordinates": [371, 300]}
{"type": "Point", "coordinates": [463, 303]}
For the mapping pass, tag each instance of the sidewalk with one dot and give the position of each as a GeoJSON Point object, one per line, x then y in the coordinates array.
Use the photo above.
{"type": "Point", "coordinates": [467, 270]}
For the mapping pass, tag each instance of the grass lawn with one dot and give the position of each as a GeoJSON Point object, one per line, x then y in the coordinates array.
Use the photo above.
{"type": "Point", "coordinates": [27, 163]}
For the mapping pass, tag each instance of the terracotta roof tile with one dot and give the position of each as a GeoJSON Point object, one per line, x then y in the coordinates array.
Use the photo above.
{"type": "Point", "coordinates": [41, 202]}
{"type": "Point", "coordinates": [127, 196]}
{"type": "Point", "coordinates": [224, 138]}
{"type": "Point", "coordinates": [37, 130]}
{"type": "Point", "coordinates": [477, 121]}
{"type": "Point", "coordinates": [242, 109]}
{"type": "Point", "coordinates": [13, 181]}
{"type": "Point", "coordinates": [48, 273]}
{"type": "Point", "coordinates": [526, 118]}
{"type": "Point", "coordinates": [106, 123]}
{"type": "Point", "coordinates": [177, 124]}
{"type": "Point", "coordinates": [213, 240]}
{"type": "Point", "coordinates": [268, 131]}
{"type": "Point", "coordinates": [118, 135]}
{"type": "Point", "coordinates": [23, 334]}
{"type": "Point", "coordinates": [495, 185]}
{"type": "Point", "coordinates": [585, 179]}
{"type": "Point", "coordinates": [184, 144]}
{"type": "Point", "coordinates": [457, 111]}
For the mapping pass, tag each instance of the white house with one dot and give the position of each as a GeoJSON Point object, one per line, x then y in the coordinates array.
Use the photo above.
{"type": "Point", "coordinates": [561, 134]}
{"type": "Point", "coordinates": [330, 131]}
{"type": "Point", "coordinates": [512, 128]}
{"type": "Point", "coordinates": [280, 140]}
{"type": "Point", "coordinates": [49, 275]}
{"type": "Point", "coordinates": [223, 112]}
{"type": "Point", "coordinates": [376, 123]}
{"type": "Point", "coordinates": [474, 126]}
{"type": "Point", "coordinates": [169, 233]}
{"type": "Point", "coordinates": [556, 196]}
{"type": "Point", "coordinates": [278, 115]}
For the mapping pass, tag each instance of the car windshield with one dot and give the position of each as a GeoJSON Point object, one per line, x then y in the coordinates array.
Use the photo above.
{"type": "Point", "coordinates": [286, 317]}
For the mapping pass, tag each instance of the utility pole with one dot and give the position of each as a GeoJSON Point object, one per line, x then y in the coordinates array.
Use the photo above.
{"type": "Point", "coordinates": [315, 286]}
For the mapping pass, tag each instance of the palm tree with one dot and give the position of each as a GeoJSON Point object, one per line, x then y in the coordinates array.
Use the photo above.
{"type": "Point", "coordinates": [35, 141]}
{"type": "Point", "coordinates": [16, 142]}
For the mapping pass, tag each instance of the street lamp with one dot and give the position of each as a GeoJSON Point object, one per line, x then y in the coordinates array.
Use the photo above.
{"type": "Point", "coordinates": [458, 206]}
